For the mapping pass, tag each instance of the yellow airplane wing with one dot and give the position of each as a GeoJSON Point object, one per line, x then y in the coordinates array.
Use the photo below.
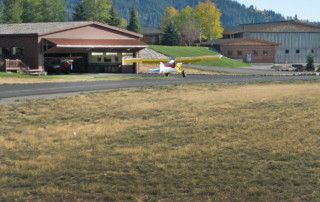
{"type": "Point", "coordinates": [146, 60]}
{"type": "Point", "coordinates": [197, 59]}
{"type": "Point", "coordinates": [177, 60]}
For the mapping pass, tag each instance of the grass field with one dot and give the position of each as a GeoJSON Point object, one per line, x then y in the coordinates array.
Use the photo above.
{"type": "Point", "coordinates": [191, 51]}
{"type": "Point", "coordinates": [257, 142]}
{"type": "Point", "coordinates": [14, 78]}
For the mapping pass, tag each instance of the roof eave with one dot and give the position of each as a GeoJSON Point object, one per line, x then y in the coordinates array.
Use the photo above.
{"type": "Point", "coordinates": [101, 46]}
{"type": "Point", "coordinates": [28, 34]}
{"type": "Point", "coordinates": [93, 23]}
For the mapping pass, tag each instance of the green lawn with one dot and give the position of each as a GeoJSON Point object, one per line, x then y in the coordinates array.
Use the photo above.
{"type": "Point", "coordinates": [190, 51]}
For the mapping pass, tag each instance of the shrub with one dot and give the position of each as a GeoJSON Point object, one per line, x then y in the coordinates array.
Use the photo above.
{"type": "Point", "coordinates": [310, 62]}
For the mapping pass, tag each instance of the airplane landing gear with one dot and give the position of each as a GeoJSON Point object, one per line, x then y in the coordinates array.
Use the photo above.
{"type": "Point", "coordinates": [184, 73]}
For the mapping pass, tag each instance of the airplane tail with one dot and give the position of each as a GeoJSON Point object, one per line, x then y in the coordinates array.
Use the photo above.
{"type": "Point", "coordinates": [162, 67]}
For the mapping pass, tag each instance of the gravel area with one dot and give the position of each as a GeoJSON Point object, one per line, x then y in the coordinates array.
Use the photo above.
{"type": "Point", "coordinates": [149, 53]}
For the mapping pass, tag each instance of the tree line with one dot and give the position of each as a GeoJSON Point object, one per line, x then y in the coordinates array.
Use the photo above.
{"type": "Point", "coordinates": [24, 11]}
{"type": "Point", "coordinates": [149, 12]}
{"type": "Point", "coordinates": [232, 12]}
{"type": "Point", "coordinates": [18, 11]}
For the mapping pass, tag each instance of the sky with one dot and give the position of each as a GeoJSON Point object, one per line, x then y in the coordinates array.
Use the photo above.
{"type": "Point", "coordinates": [305, 9]}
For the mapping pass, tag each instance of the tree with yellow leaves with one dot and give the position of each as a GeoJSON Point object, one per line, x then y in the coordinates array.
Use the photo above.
{"type": "Point", "coordinates": [203, 22]}
{"type": "Point", "coordinates": [169, 17]}
{"type": "Point", "coordinates": [208, 18]}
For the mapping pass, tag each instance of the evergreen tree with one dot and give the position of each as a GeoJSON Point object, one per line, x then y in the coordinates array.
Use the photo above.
{"type": "Point", "coordinates": [310, 62]}
{"type": "Point", "coordinates": [79, 13]}
{"type": "Point", "coordinates": [151, 11]}
{"type": "Point", "coordinates": [93, 10]}
{"type": "Point", "coordinates": [171, 16]}
{"type": "Point", "coordinates": [31, 11]}
{"type": "Point", "coordinates": [134, 23]}
{"type": "Point", "coordinates": [1, 12]}
{"type": "Point", "coordinates": [12, 11]}
{"type": "Point", "coordinates": [114, 19]}
{"type": "Point", "coordinates": [53, 10]}
{"type": "Point", "coordinates": [170, 36]}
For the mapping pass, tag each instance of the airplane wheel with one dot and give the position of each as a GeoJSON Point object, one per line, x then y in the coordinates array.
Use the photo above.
{"type": "Point", "coordinates": [167, 74]}
{"type": "Point", "coordinates": [184, 73]}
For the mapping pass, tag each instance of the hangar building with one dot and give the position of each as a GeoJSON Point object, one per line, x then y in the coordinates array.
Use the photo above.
{"type": "Point", "coordinates": [95, 47]}
{"type": "Point", "coordinates": [275, 42]}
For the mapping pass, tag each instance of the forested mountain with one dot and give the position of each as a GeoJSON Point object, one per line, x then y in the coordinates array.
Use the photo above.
{"type": "Point", "coordinates": [151, 11]}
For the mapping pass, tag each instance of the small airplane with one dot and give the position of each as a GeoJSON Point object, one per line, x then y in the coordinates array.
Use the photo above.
{"type": "Point", "coordinates": [173, 64]}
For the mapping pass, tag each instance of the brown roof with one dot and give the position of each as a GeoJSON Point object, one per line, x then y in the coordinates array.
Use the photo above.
{"type": "Point", "coordinates": [43, 28]}
{"type": "Point", "coordinates": [254, 26]}
{"type": "Point", "coordinates": [97, 43]}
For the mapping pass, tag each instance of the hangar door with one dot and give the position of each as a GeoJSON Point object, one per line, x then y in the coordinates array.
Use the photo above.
{"type": "Point", "coordinates": [97, 55]}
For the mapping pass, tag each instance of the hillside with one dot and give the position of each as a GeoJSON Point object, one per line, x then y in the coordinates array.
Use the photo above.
{"type": "Point", "coordinates": [151, 11]}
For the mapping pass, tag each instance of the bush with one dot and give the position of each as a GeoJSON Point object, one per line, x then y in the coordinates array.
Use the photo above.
{"type": "Point", "coordinates": [310, 62]}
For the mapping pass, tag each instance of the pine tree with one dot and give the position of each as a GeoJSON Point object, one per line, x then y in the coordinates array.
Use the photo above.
{"type": "Point", "coordinates": [310, 62]}
{"type": "Point", "coordinates": [79, 14]}
{"type": "Point", "coordinates": [114, 19]}
{"type": "Point", "coordinates": [170, 36]}
{"type": "Point", "coordinates": [93, 10]}
{"type": "Point", "coordinates": [134, 24]}
{"type": "Point", "coordinates": [12, 11]}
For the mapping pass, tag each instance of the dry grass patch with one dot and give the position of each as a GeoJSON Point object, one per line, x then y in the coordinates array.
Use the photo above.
{"type": "Point", "coordinates": [236, 142]}
{"type": "Point", "coordinates": [35, 80]}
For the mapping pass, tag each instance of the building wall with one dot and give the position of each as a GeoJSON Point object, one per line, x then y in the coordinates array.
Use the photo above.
{"type": "Point", "coordinates": [151, 39]}
{"type": "Point", "coordinates": [304, 42]}
{"type": "Point", "coordinates": [249, 49]}
{"type": "Point", "coordinates": [29, 43]}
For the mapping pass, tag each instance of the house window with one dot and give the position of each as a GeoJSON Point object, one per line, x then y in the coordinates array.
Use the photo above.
{"type": "Point", "coordinates": [287, 51]}
{"type": "Point", "coordinates": [111, 53]}
{"type": "Point", "coordinates": [5, 51]}
{"type": "Point", "coordinates": [17, 51]}
{"type": "Point", "coordinates": [265, 52]}
{"type": "Point", "coordinates": [229, 52]}
{"type": "Point", "coordinates": [298, 51]}
{"type": "Point", "coordinates": [96, 53]}
{"type": "Point", "coordinates": [107, 59]}
{"type": "Point", "coordinates": [239, 53]}
{"type": "Point", "coordinates": [98, 59]}
{"type": "Point", "coordinates": [255, 52]}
